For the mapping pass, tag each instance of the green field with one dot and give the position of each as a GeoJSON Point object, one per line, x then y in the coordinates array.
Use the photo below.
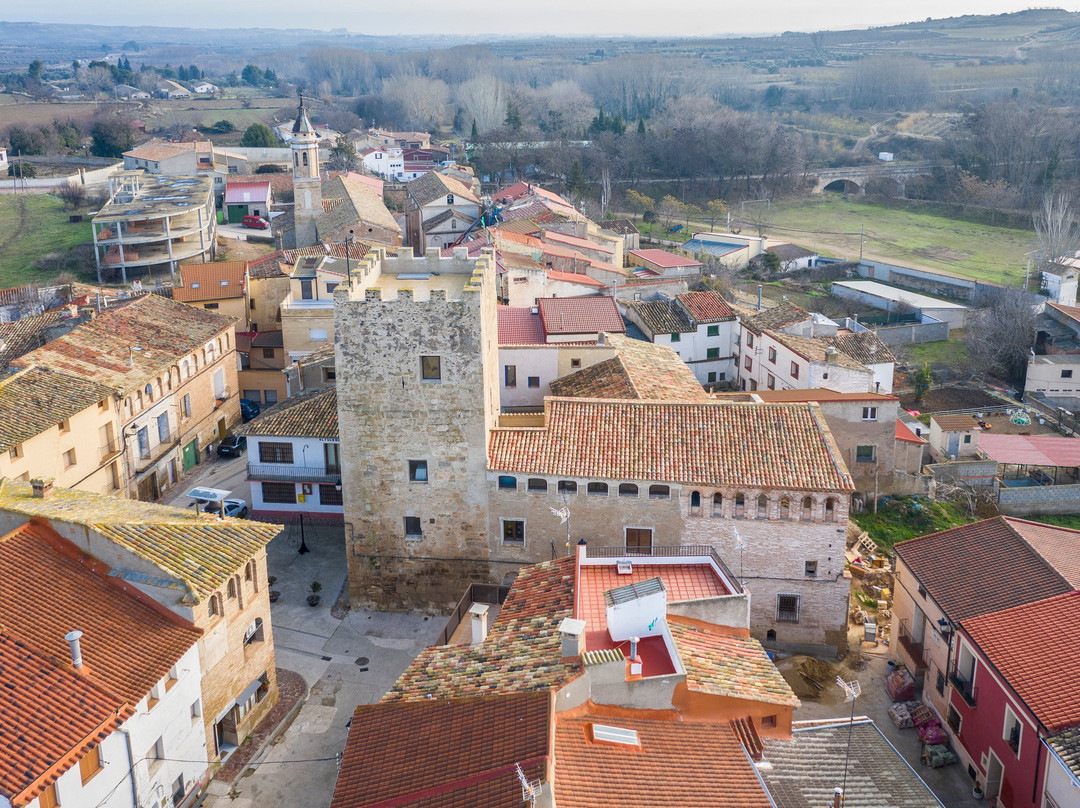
{"type": "Point", "coordinates": [830, 224]}
{"type": "Point", "coordinates": [32, 227]}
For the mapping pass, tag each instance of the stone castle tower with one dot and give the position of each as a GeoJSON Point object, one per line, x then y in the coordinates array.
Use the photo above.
{"type": "Point", "coordinates": [416, 344]}
{"type": "Point", "coordinates": [307, 183]}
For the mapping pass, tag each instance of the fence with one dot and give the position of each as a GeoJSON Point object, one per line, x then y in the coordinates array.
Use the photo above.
{"type": "Point", "coordinates": [918, 333]}
{"type": "Point", "coordinates": [476, 593]}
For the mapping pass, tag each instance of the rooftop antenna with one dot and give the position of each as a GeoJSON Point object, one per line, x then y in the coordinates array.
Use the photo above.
{"type": "Point", "coordinates": [740, 542]}
{"type": "Point", "coordinates": [852, 690]}
{"type": "Point", "coordinates": [564, 517]}
{"type": "Point", "coordinates": [530, 792]}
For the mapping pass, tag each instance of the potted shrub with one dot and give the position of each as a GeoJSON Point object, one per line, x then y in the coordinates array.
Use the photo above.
{"type": "Point", "coordinates": [274, 594]}
{"type": "Point", "coordinates": [977, 791]}
{"type": "Point", "coordinates": [313, 598]}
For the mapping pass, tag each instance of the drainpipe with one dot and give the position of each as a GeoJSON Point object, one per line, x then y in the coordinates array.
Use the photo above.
{"type": "Point", "coordinates": [131, 767]}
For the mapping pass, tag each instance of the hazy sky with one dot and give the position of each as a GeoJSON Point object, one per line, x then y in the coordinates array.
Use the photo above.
{"type": "Point", "coordinates": [558, 17]}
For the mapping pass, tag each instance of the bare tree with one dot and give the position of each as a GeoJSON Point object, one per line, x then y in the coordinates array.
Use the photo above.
{"type": "Point", "coordinates": [484, 100]}
{"type": "Point", "coordinates": [1057, 232]}
{"type": "Point", "coordinates": [1000, 334]}
{"type": "Point", "coordinates": [423, 99]}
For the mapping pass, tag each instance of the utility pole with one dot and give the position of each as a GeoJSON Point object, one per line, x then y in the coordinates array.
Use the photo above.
{"type": "Point", "coordinates": [862, 238]}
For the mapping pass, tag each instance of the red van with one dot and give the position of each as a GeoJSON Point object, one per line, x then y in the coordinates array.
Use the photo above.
{"type": "Point", "coordinates": [255, 222]}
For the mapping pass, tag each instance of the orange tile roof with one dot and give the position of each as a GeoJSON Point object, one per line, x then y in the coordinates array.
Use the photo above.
{"type": "Point", "coordinates": [728, 662]}
{"type": "Point", "coordinates": [904, 434]}
{"type": "Point", "coordinates": [706, 307]}
{"type": "Point", "coordinates": [444, 753]}
{"type": "Point", "coordinates": [981, 568]}
{"type": "Point", "coordinates": [777, 318]}
{"type": "Point", "coordinates": [48, 717]}
{"type": "Point", "coordinates": [641, 370]}
{"type": "Point", "coordinates": [519, 326]}
{"type": "Point", "coordinates": [129, 642]}
{"type": "Point", "coordinates": [1030, 646]}
{"type": "Point", "coordinates": [517, 238]}
{"type": "Point", "coordinates": [573, 277]}
{"type": "Point", "coordinates": [678, 764]}
{"type": "Point", "coordinates": [814, 349]}
{"type": "Point", "coordinates": [1057, 545]}
{"type": "Point", "coordinates": [521, 653]}
{"type": "Point", "coordinates": [665, 259]}
{"type": "Point", "coordinates": [819, 394]}
{"type": "Point", "coordinates": [223, 280]}
{"type": "Point", "coordinates": [766, 445]}
{"type": "Point", "coordinates": [957, 423]}
{"type": "Point", "coordinates": [580, 315]}
{"type": "Point", "coordinates": [575, 241]}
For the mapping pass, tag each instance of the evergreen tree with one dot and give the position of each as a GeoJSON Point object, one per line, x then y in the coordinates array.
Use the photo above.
{"type": "Point", "coordinates": [181, 73]}
{"type": "Point", "coordinates": [259, 134]}
{"type": "Point", "coordinates": [641, 126]}
{"type": "Point", "coordinates": [513, 116]}
{"type": "Point", "coordinates": [34, 71]}
{"type": "Point", "coordinates": [576, 181]}
{"type": "Point", "coordinates": [193, 73]}
{"type": "Point", "coordinates": [474, 135]}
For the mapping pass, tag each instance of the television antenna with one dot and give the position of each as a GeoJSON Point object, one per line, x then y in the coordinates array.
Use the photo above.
{"type": "Point", "coordinates": [564, 518]}
{"type": "Point", "coordinates": [740, 542]}
{"type": "Point", "coordinates": [852, 690]}
{"type": "Point", "coordinates": [530, 791]}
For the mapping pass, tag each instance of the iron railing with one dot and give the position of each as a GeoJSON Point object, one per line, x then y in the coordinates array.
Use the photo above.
{"type": "Point", "coordinates": [165, 444]}
{"type": "Point", "coordinates": [914, 649]}
{"type": "Point", "coordinates": [682, 551]}
{"type": "Point", "coordinates": [964, 687]}
{"type": "Point", "coordinates": [476, 593]}
{"type": "Point", "coordinates": [292, 473]}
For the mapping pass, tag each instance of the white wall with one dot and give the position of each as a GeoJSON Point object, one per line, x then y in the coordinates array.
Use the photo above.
{"type": "Point", "coordinates": [538, 360]}
{"type": "Point", "coordinates": [811, 374]}
{"type": "Point", "coordinates": [1060, 784]}
{"type": "Point", "coordinates": [111, 786]}
{"type": "Point", "coordinates": [308, 453]}
{"type": "Point", "coordinates": [882, 379]}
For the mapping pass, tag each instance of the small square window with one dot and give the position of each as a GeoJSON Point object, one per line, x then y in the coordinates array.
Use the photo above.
{"type": "Point", "coordinates": [967, 438]}
{"type": "Point", "coordinates": [770, 382]}
{"type": "Point", "coordinates": [865, 454]}
{"type": "Point", "coordinates": [507, 483]}
{"type": "Point", "coordinates": [869, 413]}
{"type": "Point", "coordinates": [712, 353]}
{"type": "Point", "coordinates": [69, 458]}
{"type": "Point", "coordinates": [268, 353]}
{"type": "Point", "coordinates": [575, 363]}
{"type": "Point", "coordinates": [787, 608]}
{"type": "Point", "coordinates": [748, 363]}
{"type": "Point", "coordinates": [675, 337]}
{"type": "Point", "coordinates": [713, 331]}
{"type": "Point", "coordinates": [712, 376]}
{"type": "Point", "coordinates": [534, 381]}
{"type": "Point", "coordinates": [431, 368]}
{"type": "Point", "coordinates": [1066, 374]}
{"type": "Point", "coordinates": [567, 487]}
{"type": "Point", "coordinates": [749, 340]}
{"type": "Point", "coordinates": [513, 531]}
{"type": "Point", "coordinates": [412, 527]}
{"type": "Point", "coordinates": [810, 569]}
{"type": "Point", "coordinates": [418, 471]}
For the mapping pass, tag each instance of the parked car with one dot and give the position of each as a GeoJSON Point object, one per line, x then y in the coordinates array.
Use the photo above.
{"type": "Point", "coordinates": [249, 409]}
{"type": "Point", "coordinates": [254, 222]}
{"type": "Point", "coordinates": [233, 507]}
{"type": "Point", "coordinates": [232, 446]}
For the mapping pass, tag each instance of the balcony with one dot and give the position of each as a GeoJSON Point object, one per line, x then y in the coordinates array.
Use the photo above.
{"type": "Point", "coordinates": [111, 449]}
{"type": "Point", "coordinates": [288, 473]}
{"type": "Point", "coordinates": [914, 649]}
{"type": "Point", "coordinates": [165, 444]}
{"type": "Point", "coordinates": [964, 687]}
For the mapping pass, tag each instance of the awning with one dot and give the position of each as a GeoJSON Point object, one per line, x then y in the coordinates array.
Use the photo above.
{"type": "Point", "coordinates": [249, 691]}
{"type": "Point", "coordinates": [1031, 450]}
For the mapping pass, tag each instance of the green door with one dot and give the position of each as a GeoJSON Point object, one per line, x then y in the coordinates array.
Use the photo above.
{"type": "Point", "coordinates": [191, 454]}
{"type": "Point", "coordinates": [236, 213]}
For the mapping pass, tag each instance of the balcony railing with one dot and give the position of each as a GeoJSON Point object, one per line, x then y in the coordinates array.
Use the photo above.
{"type": "Point", "coordinates": [111, 449]}
{"type": "Point", "coordinates": [166, 443]}
{"type": "Point", "coordinates": [963, 686]}
{"type": "Point", "coordinates": [914, 649]}
{"type": "Point", "coordinates": [689, 550]}
{"type": "Point", "coordinates": [287, 473]}
{"type": "Point", "coordinates": [476, 593]}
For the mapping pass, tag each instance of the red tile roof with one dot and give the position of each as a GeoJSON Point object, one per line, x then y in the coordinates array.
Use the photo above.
{"type": "Point", "coordinates": [766, 445]}
{"type": "Point", "coordinates": [665, 259]}
{"type": "Point", "coordinates": [574, 241]}
{"type": "Point", "coordinates": [677, 764]}
{"type": "Point", "coordinates": [1059, 546]}
{"type": "Point", "coordinates": [444, 753]}
{"type": "Point", "coordinates": [980, 568]}
{"type": "Point", "coordinates": [706, 307]}
{"type": "Point", "coordinates": [1030, 646]}
{"type": "Point", "coordinates": [904, 434]}
{"type": "Point", "coordinates": [221, 280]}
{"type": "Point", "coordinates": [129, 642]}
{"type": "Point", "coordinates": [519, 326]}
{"type": "Point", "coordinates": [640, 370]}
{"type": "Point", "coordinates": [819, 394]}
{"type": "Point", "coordinates": [49, 715]}
{"type": "Point", "coordinates": [573, 277]}
{"type": "Point", "coordinates": [522, 651]}
{"type": "Point", "coordinates": [580, 315]}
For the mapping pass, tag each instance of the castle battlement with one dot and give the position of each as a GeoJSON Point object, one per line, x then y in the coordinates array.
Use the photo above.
{"type": "Point", "coordinates": [431, 277]}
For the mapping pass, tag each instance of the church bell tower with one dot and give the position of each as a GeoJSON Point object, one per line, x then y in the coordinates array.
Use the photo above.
{"type": "Point", "coordinates": [307, 184]}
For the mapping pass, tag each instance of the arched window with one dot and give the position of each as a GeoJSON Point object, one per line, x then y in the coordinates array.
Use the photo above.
{"type": "Point", "coordinates": [717, 504]}
{"type": "Point", "coordinates": [597, 489]}
{"type": "Point", "coordinates": [627, 490]}
{"type": "Point", "coordinates": [762, 507]}
{"type": "Point", "coordinates": [149, 391]}
{"type": "Point", "coordinates": [740, 506]}
{"type": "Point", "coordinates": [785, 508]}
{"type": "Point", "coordinates": [830, 510]}
{"type": "Point", "coordinates": [695, 502]}
{"type": "Point", "coordinates": [659, 492]}
{"type": "Point", "coordinates": [567, 487]}
{"type": "Point", "coordinates": [537, 485]}
{"type": "Point", "coordinates": [807, 509]}
{"type": "Point", "coordinates": [305, 158]}
{"type": "Point", "coordinates": [296, 159]}
{"type": "Point", "coordinates": [232, 587]}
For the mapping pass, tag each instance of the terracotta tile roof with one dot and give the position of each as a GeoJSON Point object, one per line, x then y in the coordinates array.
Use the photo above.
{"type": "Point", "coordinates": [766, 445]}
{"type": "Point", "coordinates": [904, 433]}
{"type": "Point", "coordinates": [129, 641]}
{"type": "Point", "coordinates": [23, 336]}
{"type": "Point", "coordinates": [37, 399]}
{"type": "Point", "coordinates": [980, 568]}
{"type": "Point", "coordinates": [433, 185]}
{"type": "Point", "coordinates": [48, 716]}
{"type": "Point", "coordinates": [223, 280]}
{"type": "Point", "coordinates": [864, 347]}
{"type": "Point", "coordinates": [677, 765]}
{"type": "Point", "coordinates": [789, 252]}
{"type": "Point", "coordinates": [706, 307]}
{"type": "Point", "coordinates": [776, 319]}
{"type": "Point", "coordinates": [520, 189]}
{"type": "Point", "coordinates": [815, 349]}
{"type": "Point", "coordinates": [804, 770]}
{"type": "Point", "coordinates": [308, 415]}
{"type": "Point", "coordinates": [524, 227]}
{"type": "Point", "coordinates": [1028, 645]}
{"type": "Point", "coordinates": [157, 150]}
{"type": "Point", "coordinates": [1059, 546]}
{"type": "Point", "coordinates": [359, 202]}
{"type": "Point", "coordinates": [580, 315]}
{"type": "Point", "coordinates": [574, 241]}
{"type": "Point", "coordinates": [956, 423]}
{"type": "Point", "coordinates": [665, 259]}
{"type": "Point", "coordinates": [574, 277]}
{"type": "Point", "coordinates": [197, 550]}
{"type": "Point", "coordinates": [270, 266]}
{"type": "Point", "coordinates": [663, 316]}
{"type": "Point", "coordinates": [726, 662]}
{"type": "Point", "coordinates": [1066, 745]}
{"type": "Point", "coordinates": [520, 654]}
{"type": "Point", "coordinates": [820, 394]}
{"type": "Point", "coordinates": [101, 349]}
{"type": "Point", "coordinates": [519, 326]}
{"type": "Point", "coordinates": [641, 370]}
{"type": "Point", "coordinates": [517, 238]}
{"type": "Point", "coordinates": [447, 752]}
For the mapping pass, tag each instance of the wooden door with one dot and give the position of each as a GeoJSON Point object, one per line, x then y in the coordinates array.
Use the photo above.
{"type": "Point", "coordinates": [639, 539]}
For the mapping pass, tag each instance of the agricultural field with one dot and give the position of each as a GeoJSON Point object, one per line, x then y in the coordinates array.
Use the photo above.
{"type": "Point", "coordinates": [37, 241]}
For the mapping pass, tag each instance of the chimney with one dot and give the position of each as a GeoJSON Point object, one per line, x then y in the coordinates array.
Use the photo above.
{"type": "Point", "coordinates": [42, 487]}
{"type": "Point", "coordinates": [76, 652]}
{"type": "Point", "coordinates": [479, 612]}
{"type": "Point", "coordinates": [572, 632]}
{"type": "Point", "coordinates": [635, 660]}
{"type": "Point", "coordinates": [830, 356]}
{"type": "Point", "coordinates": [581, 229]}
